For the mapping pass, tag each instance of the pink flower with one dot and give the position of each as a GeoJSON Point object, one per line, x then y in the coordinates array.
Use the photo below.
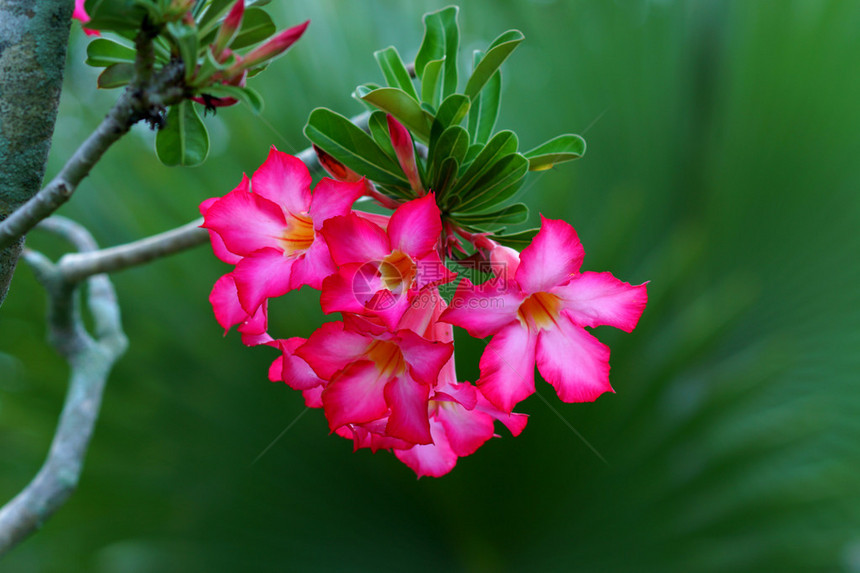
{"type": "Point", "coordinates": [381, 270]}
{"type": "Point", "coordinates": [295, 372]}
{"type": "Point", "coordinates": [373, 375]}
{"type": "Point", "coordinates": [228, 313]}
{"type": "Point", "coordinates": [273, 228]}
{"type": "Point", "coordinates": [80, 14]}
{"type": "Point", "coordinates": [538, 317]}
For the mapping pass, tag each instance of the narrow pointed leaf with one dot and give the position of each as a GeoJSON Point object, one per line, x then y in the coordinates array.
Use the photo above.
{"type": "Point", "coordinates": [432, 45]}
{"type": "Point", "coordinates": [511, 215]}
{"type": "Point", "coordinates": [257, 26]}
{"type": "Point", "coordinates": [116, 76]}
{"type": "Point", "coordinates": [454, 142]}
{"type": "Point", "coordinates": [430, 85]}
{"type": "Point", "coordinates": [403, 107]}
{"type": "Point", "coordinates": [395, 71]}
{"type": "Point", "coordinates": [378, 125]}
{"type": "Point", "coordinates": [495, 186]}
{"type": "Point", "coordinates": [557, 150]}
{"type": "Point", "coordinates": [209, 20]}
{"type": "Point", "coordinates": [102, 52]}
{"type": "Point", "coordinates": [502, 144]}
{"type": "Point", "coordinates": [344, 141]}
{"type": "Point", "coordinates": [518, 241]}
{"type": "Point", "coordinates": [444, 178]}
{"type": "Point", "coordinates": [448, 19]}
{"type": "Point", "coordinates": [497, 53]}
{"type": "Point", "coordinates": [184, 139]}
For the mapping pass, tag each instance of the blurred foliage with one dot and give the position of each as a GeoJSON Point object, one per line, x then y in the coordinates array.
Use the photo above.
{"type": "Point", "coordinates": [721, 167]}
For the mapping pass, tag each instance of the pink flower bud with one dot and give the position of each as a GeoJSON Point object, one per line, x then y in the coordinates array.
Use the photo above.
{"type": "Point", "coordinates": [276, 46]}
{"type": "Point", "coordinates": [229, 27]}
{"type": "Point", "coordinates": [402, 143]}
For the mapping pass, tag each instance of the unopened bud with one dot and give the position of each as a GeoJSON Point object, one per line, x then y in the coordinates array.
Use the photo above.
{"type": "Point", "coordinates": [229, 27]}
{"type": "Point", "coordinates": [276, 46]}
{"type": "Point", "coordinates": [335, 168]}
{"type": "Point", "coordinates": [402, 143]}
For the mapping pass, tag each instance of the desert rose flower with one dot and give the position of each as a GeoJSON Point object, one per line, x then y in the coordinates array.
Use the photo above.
{"type": "Point", "coordinates": [539, 316]}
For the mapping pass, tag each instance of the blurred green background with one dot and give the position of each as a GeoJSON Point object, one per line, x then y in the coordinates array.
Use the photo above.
{"type": "Point", "coordinates": [722, 166]}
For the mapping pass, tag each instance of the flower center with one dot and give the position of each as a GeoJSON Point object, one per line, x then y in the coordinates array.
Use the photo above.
{"type": "Point", "coordinates": [298, 235]}
{"type": "Point", "coordinates": [397, 271]}
{"type": "Point", "coordinates": [539, 311]}
{"type": "Point", "coordinates": [387, 357]}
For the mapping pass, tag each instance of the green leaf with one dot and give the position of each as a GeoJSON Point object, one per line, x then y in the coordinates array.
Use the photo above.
{"type": "Point", "coordinates": [445, 177]}
{"type": "Point", "coordinates": [485, 106]}
{"type": "Point", "coordinates": [246, 95]}
{"type": "Point", "coordinates": [495, 186]}
{"type": "Point", "coordinates": [441, 40]}
{"type": "Point", "coordinates": [557, 150]}
{"type": "Point", "coordinates": [454, 142]}
{"type": "Point", "coordinates": [502, 144]}
{"type": "Point", "coordinates": [403, 107]}
{"type": "Point", "coordinates": [497, 53]}
{"type": "Point", "coordinates": [184, 139]}
{"type": "Point", "coordinates": [518, 241]}
{"type": "Point", "coordinates": [102, 52]}
{"type": "Point", "coordinates": [114, 15]}
{"type": "Point", "coordinates": [395, 71]}
{"type": "Point", "coordinates": [257, 25]}
{"type": "Point", "coordinates": [451, 112]}
{"type": "Point", "coordinates": [378, 126]}
{"type": "Point", "coordinates": [185, 38]}
{"type": "Point", "coordinates": [511, 215]}
{"type": "Point", "coordinates": [344, 141]}
{"type": "Point", "coordinates": [116, 76]}
{"type": "Point", "coordinates": [209, 20]}
{"type": "Point", "coordinates": [430, 82]}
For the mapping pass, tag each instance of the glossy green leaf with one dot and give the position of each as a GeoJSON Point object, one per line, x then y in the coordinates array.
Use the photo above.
{"type": "Point", "coordinates": [114, 15]}
{"type": "Point", "coordinates": [185, 38]}
{"type": "Point", "coordinates": [378, 125]}
{"type": "Point", "coordinates": [485, 106]}
{"type": "Point", "coordinates": [184, 139]}
{"type": "Point", "coordinates": [246, 95]}
{"type": "Point", "coordinates": [257, 26]}
{"type": "Point", "coordinates": [344, 141]}
{"type": "Point", "coordinates": [430, 85]}
{"type": "Point", "coordinates": [451, 112]}
{"type": "Point", "coordinates": [498, 52]}
{"type": "Point", "coordinates": [495, 186]}
{"type": "Point", "coordinates": [395, 71]}
{"type": "Point", "coordinates": [210, 18]}
{"type": "Point", "coordinates": [441, 40]}
{"type": "Point", "coordinates": [403, 107]}
{"type": "Point", "coordinates": [502, 144]}
{"type": "Point", "coordinates": [454, 142]}
{"type": "Point", "coordinates": [444, 178]}
{"type": "Point", "coordinates": [102, 52]}
{"type": "Point", "coordinates": [557, 150]}
{"type": "Point", "coordinates": [116, 76]}
{"type": "Point", "coordinates": [518, 241]}
{"type": "Point", "coordinates": [511, 215]}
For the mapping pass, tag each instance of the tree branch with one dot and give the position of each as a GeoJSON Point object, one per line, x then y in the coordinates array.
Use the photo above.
{"type": "Point", "coordinates": [91, 359]}
{"type": "Point", "coordinates": [34, 36]}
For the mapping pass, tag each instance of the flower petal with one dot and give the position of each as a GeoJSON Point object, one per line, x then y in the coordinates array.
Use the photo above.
{"type": "Point", "coordinates": [331, 347]}
{"type": "Point", "coordinates": [573, 361]}
{"type": "Point", "coordinates": [593, 299]}
{"type": "Point", "coordinates": [332, 198]}
{"type": "Point", "coordinates": [225, 303]}
{"type": "Point", "coordinates": [514, 422]}
{"type": "Point", "coordinates": [508, 366]}
{"type": "Point", "coordinates": [436, 459]}
{"type": "Point", "coordinates": [245, 221]}
{"type": "Point", "coordinates": [554, 255]}
{"type": "Point", "coordinates": [284, 180]}
{"type": "Point", "coordinates": [355, 395]}
{"type": "Point", "coordinates": [408, 420]}
{"type": "Point", "coordinates": [416, 226]}
{"type": "Point", "coordinates": [466, 430]}
{"type": "Point", "coordinates": [483, 309]}
{"type": "Point", "coordinates": [264, 274]}
{"type": "Point", "coordinates": [291, 369]}
{"type": "Point", "coordinates": [353, 239]}
{"type": "Point", "coordinates": [349, 290]}
{"type": "Point", "coordinates": [312, 266]}
{"type": "Point", "coordinates": [425, 358]}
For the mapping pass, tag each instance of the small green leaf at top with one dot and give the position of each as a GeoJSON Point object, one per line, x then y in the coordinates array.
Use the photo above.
{"type": "Point", "coordinates": [565, 147]}
{"type": "Point", "coordinates": [498, 52]}
{"type": "Point", "coordinates": [184, 139]}
{"type": "Point", "coordinates": [257, 25]}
